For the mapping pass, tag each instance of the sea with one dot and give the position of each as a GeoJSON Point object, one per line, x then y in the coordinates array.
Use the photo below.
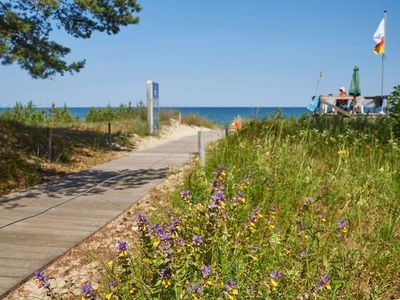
{"type": "Point", "coordinates": [219, 115]}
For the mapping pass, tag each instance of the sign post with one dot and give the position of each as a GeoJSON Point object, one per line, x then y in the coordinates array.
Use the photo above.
{"type": "Point", "coordinates": [153, 108]}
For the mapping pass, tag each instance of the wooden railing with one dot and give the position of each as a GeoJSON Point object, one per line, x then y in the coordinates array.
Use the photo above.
{"type": "Point", "coordinates": [356, 103]}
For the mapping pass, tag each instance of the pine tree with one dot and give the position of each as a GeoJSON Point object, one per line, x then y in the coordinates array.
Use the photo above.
{"type": "Point", "coordinates": [25, 28]}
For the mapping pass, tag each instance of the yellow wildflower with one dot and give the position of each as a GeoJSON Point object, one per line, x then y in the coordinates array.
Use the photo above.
{"type": "Point", "coordinates": [166, 282]}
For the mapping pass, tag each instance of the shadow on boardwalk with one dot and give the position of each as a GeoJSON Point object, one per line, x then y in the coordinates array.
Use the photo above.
{"type": "Point", "coordinates": [92, 180]}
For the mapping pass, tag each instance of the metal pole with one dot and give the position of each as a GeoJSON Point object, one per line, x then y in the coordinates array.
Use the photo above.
{"type": "Point", "coordinates": [202, 159]}
{"type": "Point", "coordinates": [384, 52]}
{"type": "Point", "coordinates": [383, 72]}
{"type": "Point", "coordinates": [318, 81]}
{"type": "Point", "coordinates": [50, 144]}
{"type": "Point", "coordinates": [150, 107]}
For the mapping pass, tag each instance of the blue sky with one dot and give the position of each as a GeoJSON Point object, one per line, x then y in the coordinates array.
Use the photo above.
{"type": "Point", "coordinates": [223, 53]}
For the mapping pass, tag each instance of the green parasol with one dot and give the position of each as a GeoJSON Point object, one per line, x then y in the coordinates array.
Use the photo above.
{"type": "Point", "coordinates": [355, 83]}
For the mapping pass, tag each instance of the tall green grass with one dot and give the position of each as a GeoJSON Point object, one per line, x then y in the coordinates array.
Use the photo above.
{"type": "Point", "coordinates": [301, 209]}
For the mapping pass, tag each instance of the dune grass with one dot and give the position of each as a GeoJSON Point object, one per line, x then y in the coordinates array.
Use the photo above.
{"type": "Point", "coordinates": [283, 209]}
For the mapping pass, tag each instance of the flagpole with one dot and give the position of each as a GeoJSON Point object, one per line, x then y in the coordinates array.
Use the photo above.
{"type": "Point", "coordinates": [384, 55]}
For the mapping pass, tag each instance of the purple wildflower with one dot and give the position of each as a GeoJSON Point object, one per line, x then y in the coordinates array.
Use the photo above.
{"type": "Point", "coordinates": [142, 222]}
{"type": "Point", "coordinates": [325, 279]}
{"type": "Point", "coordinates": [251, 218]}
{"type": "Point", "coordinates": [342, 224]}
{"type": "Point", "coordinates": [141, 218]}
{"type": "Point", "coordinates": [179, 241]}
{"type": "Point", "coordinates": [174, 226]}
{"type": "Point", "coordinates": [175, 223]}
{"type": "Point", "coordinates": [219, 195]}
{"type": "Point", "coordinates": [218, 176]}
{"type": "Point", "coordinates": [218, 200]}
{"type": "Point", "coordinates": [231, 289]}
{"type": "Point", "coordinates": [231, 284]}
{"type": "Point", "coordinates": [88, 290]}
{"type": "Point", "coordinates": [195, 289]}
{"type": "Point", "coordinates": [206, 271]}
{"type": "Point", "coordinates": [275, 274]}
{"type": "Point", "coordinates": [122, 246]}
{"type": "Point", "coordinates": [166, 247]}
{"type": "Point", "coordinates": [42, 280]}
{"type": "Point", "coordinates": [160, 232]}
{"type": "Point", "coordinates": [185, 195]}
{"type": "Point", "coordinates": [197, 241]}
{"type": "Point", "coordinates": [220, 169]}
{"type": "Point", "coordinates": [166, 273]}
{"type": "Point", "coordinates": [323, 283]}
{"type": "Point", "coordinates": [212, 205]}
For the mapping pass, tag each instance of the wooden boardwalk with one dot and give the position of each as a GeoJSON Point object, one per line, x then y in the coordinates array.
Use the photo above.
{"type": "Point", "coordinates": [85, 206]}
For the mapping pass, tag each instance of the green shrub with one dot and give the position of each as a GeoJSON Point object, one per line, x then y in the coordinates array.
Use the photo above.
{"type": "Point", "coordinates": [394, 110]}
{"type": "Point", "coordinates": [27, 114]}
{"type": "Point", "coordinates": [101, 114]}
{"type": "Point", "coordinates": [60, 116]}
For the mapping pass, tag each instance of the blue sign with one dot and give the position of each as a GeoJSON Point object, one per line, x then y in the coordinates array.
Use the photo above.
{"type": "Point", "coordinates": [155, 90]}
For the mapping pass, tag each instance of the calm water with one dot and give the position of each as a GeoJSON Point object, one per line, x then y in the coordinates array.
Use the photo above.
{"type": "Point", "coordinates": [220, 115]}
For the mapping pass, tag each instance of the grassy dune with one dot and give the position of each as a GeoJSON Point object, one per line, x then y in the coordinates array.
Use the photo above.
{"type": "Point", "coordinates": [284, 209]}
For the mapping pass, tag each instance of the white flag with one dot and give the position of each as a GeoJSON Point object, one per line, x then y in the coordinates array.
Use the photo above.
{"type": "Point", "coordinates": [379, 38]}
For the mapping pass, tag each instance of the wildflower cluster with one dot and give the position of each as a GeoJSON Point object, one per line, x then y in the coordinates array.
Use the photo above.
{"type": "Point", "coordinates": [122, 247]}
{"type": "Point", "coordinates": [41, 279]}
{"type": "Point", "coordinates": [189, 255]}
{"type": "Point", "coordinates": [252, 219]}
{"type": "Point", "coordinates": [166, 274]}
{"type": "Point", "coordinates": [88, 292]}
{"type": "Point", "coordinates": [343, 226]}
{"type": "Point", "coordinates": [231, 290]}
{"type": "Point", "coordinates": [274, 277]}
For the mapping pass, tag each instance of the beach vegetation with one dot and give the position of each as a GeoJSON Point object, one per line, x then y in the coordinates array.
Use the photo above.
{"type": "Point", "coordinates": [394, 110]}
{"type": "Point", "coordinates": [76, 143]}
{"type": "Point", "coordinates": [284, 209]}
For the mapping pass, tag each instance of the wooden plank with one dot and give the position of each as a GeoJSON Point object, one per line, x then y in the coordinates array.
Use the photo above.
{"type": "Point", "coordinates": [338, 109]}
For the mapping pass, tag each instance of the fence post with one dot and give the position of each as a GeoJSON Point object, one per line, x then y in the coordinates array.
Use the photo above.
{"type": "Point", "coordinates": [227, 129]}
{"type": "Point", "coordinates": [202, 158]}
{"type": "Point", "coordinates": [109, 134]}
{"type": "Point", "coordinates": [180, 118]}
{"type": "Point", "coordinates": [50, 144]}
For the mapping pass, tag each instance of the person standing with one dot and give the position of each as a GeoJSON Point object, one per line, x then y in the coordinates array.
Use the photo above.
{"type": "Point", "coordinates": [342, 103]}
